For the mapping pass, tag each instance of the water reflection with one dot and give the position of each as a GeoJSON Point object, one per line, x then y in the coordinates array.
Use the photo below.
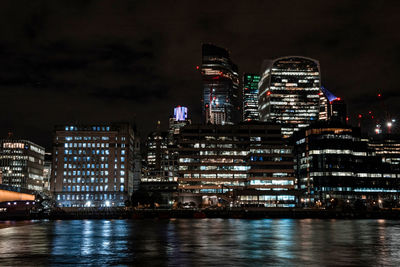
{"type": "Point", "coordinates": [185, 242]}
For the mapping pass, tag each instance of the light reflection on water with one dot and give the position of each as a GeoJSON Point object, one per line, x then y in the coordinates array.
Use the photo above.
{"type": "Point", "coordinates": [188, 242]}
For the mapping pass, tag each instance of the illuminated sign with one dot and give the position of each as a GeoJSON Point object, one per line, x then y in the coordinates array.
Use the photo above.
{"type": "Point", "coordinates": [180, 113]}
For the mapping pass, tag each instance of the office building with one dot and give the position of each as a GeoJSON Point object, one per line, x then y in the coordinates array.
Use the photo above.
{"type": "Point", "coordinates": [333, 161]}
{"type": "Point", "coordinates": [93, 165]}
{"type": "Point", "coordinates": [249, 160]}
{"type": "Point", "coordinates": [387, 146]}
{"type": "Point", "coordinates": [21, 164]}
{"type": "Point", "coordinates": [288, 92]}
{"type": "Point", "coordinates": [220, 86]}
{"type": "Point", "coordinates": [250, 97]}
{"type": "Point", "coordinates": [176, 122]}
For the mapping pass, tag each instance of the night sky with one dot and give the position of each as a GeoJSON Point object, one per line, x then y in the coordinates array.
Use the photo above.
{"type": "Point", "coordinates": [93, 61]}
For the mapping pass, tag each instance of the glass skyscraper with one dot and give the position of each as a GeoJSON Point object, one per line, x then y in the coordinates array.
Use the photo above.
{"type": "Point", "coordinates": [250, 96]}
{"type": "Point", "coordinates": [220, 85]}
{"type": "Point", "coordinates": [289, 92]}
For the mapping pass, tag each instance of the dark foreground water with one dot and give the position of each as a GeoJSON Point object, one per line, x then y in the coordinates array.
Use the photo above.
{"type": "Point", "coordinates": [203, 242]}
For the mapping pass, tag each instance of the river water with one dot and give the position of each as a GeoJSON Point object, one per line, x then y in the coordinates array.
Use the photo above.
{"type": "Point", "coordinates": [201, 242]}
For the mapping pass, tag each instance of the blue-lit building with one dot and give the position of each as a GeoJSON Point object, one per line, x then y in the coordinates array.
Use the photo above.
{"type": "Point", "coordinates": [288, 92]}
{"type": "Point", "coordinates": [250, 97]}
{"type": "Point", "coordinates": [333, 161]}
{"type": "Point", "coordinates": [220, 86]}
{"type": "Point", "coordinates": [93, 165]}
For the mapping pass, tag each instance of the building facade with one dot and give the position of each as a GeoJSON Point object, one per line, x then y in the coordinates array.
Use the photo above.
{"type": "Point", "coordinates": [333, 161]}
{"type": "Point", "coordinates": [288, 92]}
{"type": "Point", "coordinates": [21, 164]}
{"type": "Point", "coordinates": [93, 165]}
{"type": "Point", "coordinates": [220, 86]}
{"type": "Point", "coordinates": [250, 161]}
{"type": "Point", "coordinates": [176, 122]}
{"type": "Point", "coordinates": [387, 146]}
{"type": "Point", "coordinates": [250, 97]}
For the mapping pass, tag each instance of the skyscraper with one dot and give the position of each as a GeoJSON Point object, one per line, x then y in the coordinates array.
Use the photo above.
{"type": "Point", "coordinates": [220, 86]}
{"type": "Point", "coordinates": [250, 96]}
{"type": "Point", "coordinates": [289, 92]}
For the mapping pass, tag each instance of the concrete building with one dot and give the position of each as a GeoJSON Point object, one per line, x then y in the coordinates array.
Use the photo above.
{"type": "Point", "coordinates": [93, 165]}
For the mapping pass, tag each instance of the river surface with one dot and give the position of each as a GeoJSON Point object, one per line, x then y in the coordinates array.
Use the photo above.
{"type": "Point", "coordinates": [201, 242]}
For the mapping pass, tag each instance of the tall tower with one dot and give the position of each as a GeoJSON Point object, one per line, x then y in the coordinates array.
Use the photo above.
{"type": "Point", "coordinates": [250, 96]}
{"type": "Point", "coordinates": [220, 86]}
{"type": "Point", "coordinates": [288, 92]}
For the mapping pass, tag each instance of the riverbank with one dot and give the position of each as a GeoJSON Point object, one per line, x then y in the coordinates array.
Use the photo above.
{"type": "Point", "coordinates": [239, 213]}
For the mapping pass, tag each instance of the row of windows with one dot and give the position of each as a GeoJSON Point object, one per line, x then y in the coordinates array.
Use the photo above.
{"type": "Point", "coordinates": [90, 180]}
{"type": "Point", "coordinates": [89, 173]}
{"type": "Point", "coordinates": [87, 188]}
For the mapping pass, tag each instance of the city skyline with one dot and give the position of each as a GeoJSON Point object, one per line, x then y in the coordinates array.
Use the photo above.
{"type": "Point", "coordinates": [104, 74]}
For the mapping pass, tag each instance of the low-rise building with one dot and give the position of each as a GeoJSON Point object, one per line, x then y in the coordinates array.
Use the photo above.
{"type": "Point", "coordinates": [250, 160]}
{"type": "Point", "coordinates": [333, 161]}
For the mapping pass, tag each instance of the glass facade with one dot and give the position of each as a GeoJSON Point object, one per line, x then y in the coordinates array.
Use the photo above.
{"type": "Point", "coordinates": [289, 92]}
{"type": "Point", "coordinates": [250, 159]}
{"type": "Point", "coordinates": [333, 161]}
{"type": "Point", "coordinates": [21, 164]}
{"type": "Point", "coordinates": [250, 97]}
{"type": "Point", "coordinates": [220, 82]}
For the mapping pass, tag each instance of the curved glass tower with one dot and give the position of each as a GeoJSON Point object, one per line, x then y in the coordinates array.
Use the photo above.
{"type": "Point", "coordinates": [220, 82]}
{"type": "Point", "coordinates": [288, 92]}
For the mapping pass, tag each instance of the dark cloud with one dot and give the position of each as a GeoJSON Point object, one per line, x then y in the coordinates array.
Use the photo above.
{"type": "Point", "coordinates": [69, 61]}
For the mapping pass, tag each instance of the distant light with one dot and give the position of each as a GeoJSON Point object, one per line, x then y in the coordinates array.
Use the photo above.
{"type": "Point", "coordinates": [268, 93]}
{"type": "Point", "coordinates": [393, 120]}
{"type": "Point", "coordinates": [379, 95]}
{"type": "Point", "coordinates": [359, 116]}
{"type": "Point", "coordinates": [180, 113]}
{"type": "Point", "coordinates": [197, 67]}
{"type": "Point", "coordinates": [88, 204]}
{"type": "Point", "coordinates": [107, 203]}
{"type": "Point", "coordinates": [338, 98]}
{"type": "Point", "coordinates": [389, 124]}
